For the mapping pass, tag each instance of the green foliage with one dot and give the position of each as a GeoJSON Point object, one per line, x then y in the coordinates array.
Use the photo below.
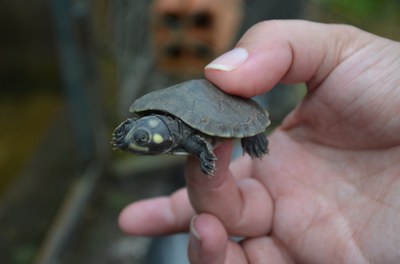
{"type": "Point", "coordinates": [360, 8]}
{"type": "Point", "coordinates": [378, 16]}
{"type": "Point", "coordinates": [365, 9]}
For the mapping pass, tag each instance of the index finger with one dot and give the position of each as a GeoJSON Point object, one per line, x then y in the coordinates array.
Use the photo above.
{"type": "Point", "coordinates": [244, 206]}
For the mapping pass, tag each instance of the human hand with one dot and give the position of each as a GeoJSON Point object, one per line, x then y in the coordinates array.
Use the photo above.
{"type": "Point", "coordinates": [330, 189]}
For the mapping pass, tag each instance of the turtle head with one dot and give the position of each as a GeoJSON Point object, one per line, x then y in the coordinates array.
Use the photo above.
{"type": "Point", "coordinates": [148, 135]}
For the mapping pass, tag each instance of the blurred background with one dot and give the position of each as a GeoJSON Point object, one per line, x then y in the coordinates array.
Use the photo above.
{"type": "Point", "coordinates": [69, 69]}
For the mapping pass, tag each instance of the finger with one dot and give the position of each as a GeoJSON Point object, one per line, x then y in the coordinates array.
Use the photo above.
{"type": "Point", "coordinates": [157, 216]}
{"type": "Point", "coordinates": [165, 215]}
{"type": "Point", "coordinates": [209, 242]}
{"type": "Point", "coordinates": [242, 167]}
{"type": "Point", "coordinates": [266, 249]}
{"type": "Point", "coordinates": [243, 206]}
{"type": "Point", "coordinates": [288, 51]}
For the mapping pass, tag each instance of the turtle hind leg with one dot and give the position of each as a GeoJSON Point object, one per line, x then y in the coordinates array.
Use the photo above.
{"type": "Point", "coordinates": [256, 146]}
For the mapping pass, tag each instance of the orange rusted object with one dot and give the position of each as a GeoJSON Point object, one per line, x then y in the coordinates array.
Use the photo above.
{"type": "Point", "coordinates": [188, 34]}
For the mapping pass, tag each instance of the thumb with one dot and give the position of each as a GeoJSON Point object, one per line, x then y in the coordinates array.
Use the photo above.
{"type": "Point", "coordinates": [281, 51]}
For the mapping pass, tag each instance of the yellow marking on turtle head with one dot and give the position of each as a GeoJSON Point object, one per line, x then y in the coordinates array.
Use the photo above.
{"type": "Point", "coordinates": [157, 138]}
{"type": "Point", "coordinates": [138, 148]}
{"type": "Point", "coordinates": [154, 122]}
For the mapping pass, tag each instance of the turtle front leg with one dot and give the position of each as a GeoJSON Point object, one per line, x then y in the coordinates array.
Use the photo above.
{"type": "Point", "coordinates": [202, 149]}
{"type": "Point", "coordinates": [256, 146]}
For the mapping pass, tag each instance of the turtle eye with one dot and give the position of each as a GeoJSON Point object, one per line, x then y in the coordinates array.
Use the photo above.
{"type": "Point", "coordinates": [141, 137]}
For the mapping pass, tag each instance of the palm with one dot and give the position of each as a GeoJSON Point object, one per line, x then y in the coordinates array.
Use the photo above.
{"type": "Point", "coordinates": [332, 174]}
{"type": "Point", "coordinates": [328, 212]}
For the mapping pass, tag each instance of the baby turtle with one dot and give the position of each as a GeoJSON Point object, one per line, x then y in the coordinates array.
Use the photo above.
{"type": "Point", "coordinates": [190, 118]}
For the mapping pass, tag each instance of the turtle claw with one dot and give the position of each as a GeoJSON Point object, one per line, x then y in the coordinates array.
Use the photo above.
{"type": "Point", "coordinates": [119, 133]}
{"type": "Point", "coordinates": [207, 163]}
{"type": "Point", "coordinates": [203, 150]}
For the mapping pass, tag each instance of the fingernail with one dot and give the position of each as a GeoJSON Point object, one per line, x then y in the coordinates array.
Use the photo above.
{"type": "Point", "coordinates": [230, 60]}
{"type": "Point", "coordinates": [195, 238]}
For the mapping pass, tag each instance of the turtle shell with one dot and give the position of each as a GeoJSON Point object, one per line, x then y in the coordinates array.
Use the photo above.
{"type": "Point", "coordinates": [206, 108]}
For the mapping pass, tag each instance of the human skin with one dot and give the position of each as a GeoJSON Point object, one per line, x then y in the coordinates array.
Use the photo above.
{"type": "Point", "coordinates": [329, 192]}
